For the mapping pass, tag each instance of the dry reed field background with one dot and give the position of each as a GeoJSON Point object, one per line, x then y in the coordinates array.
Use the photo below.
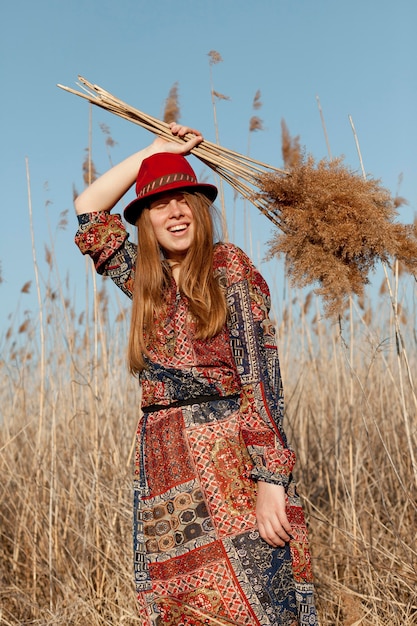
{"type": "Point", "coordinates": [69, 411]}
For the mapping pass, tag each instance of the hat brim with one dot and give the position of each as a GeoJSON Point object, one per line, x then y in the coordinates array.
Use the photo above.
{"type": "Point", "coordinates": [134, 208]}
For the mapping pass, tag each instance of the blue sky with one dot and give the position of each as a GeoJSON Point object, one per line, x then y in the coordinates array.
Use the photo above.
{"type": "Point", "coordinates": [359, 57]}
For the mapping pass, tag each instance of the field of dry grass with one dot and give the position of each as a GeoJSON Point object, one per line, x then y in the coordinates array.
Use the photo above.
{"type": "Point", "coordinates": [68, 416]}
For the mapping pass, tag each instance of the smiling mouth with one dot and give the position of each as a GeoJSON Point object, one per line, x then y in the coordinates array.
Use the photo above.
{"type": "Point", "coordinates": [178, 229]}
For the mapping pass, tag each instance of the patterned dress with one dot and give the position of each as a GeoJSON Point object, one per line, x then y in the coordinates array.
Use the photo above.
{"type": "Point", "coordinates": [211, 427]}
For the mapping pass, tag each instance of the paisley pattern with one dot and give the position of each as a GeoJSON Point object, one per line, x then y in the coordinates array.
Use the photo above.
{"type": "Point", "coordinates": [199, 558]}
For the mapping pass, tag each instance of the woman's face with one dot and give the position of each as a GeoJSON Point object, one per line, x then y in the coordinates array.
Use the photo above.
{"type": "Point", "coordinates": [173, 224]}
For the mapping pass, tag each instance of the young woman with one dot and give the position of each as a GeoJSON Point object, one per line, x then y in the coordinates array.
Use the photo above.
{"type": "Point", "coordinates": [219, 532]}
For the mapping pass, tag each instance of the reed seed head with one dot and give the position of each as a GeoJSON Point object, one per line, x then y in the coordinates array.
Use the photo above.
{"type": "Point", "coordinates": [255, 123]}
{"type": "Point", "coordinates": [215, 57]}
{"type": "Point", "coordinates": [220, 96]}
{"type": "Point", "coordinates": [256, 104]}
{"type": "Point", "coordinates": [291, 149]}
{"type": "Point", "coordinates": [172, 109]}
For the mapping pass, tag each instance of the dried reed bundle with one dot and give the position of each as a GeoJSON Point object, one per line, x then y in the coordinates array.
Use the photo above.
{"type": "Point", "coordinates": [333, 225]}
{"type": "Point", "coordinates": [240, 171]}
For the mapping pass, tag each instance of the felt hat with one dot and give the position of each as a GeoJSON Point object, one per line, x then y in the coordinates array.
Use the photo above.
{"type": "Point", "coordinates": [160, 173]}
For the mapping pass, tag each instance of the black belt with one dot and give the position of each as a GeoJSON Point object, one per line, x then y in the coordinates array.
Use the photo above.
{"type": "Point", "coordinates": [152, 408]}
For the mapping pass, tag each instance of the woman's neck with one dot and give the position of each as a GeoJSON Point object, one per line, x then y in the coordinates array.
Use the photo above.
{"type": "Point", "coordinates": [175, 268]}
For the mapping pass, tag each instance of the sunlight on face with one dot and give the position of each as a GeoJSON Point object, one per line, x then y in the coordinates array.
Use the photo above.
{"type": "Point", "coordinates": [173, 224]}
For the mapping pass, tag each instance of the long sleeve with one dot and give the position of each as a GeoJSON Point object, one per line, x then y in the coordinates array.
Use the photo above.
{"type": "Point", "coordinates": [103, 237]}
{"type": "Point", "coordinates": [253, 343]}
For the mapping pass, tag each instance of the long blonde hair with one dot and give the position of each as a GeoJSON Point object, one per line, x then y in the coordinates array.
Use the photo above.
{"type": "Point", "coordinates": [207, 302]}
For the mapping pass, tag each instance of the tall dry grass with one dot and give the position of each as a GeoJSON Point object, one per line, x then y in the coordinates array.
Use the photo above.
{"type": "Point", "coordinates": [66, 438]}
{"type": "Point", "coordinates": [352, 415]}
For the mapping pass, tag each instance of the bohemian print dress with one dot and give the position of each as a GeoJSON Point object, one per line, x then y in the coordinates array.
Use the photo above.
{"type": "Point", "coordinates": [211, 427]}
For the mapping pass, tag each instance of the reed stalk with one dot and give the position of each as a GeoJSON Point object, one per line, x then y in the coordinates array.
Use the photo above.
{"type": "Point", "coordinates": [215, 58]}
{"type": "Point", "coordinates": [37, 521]}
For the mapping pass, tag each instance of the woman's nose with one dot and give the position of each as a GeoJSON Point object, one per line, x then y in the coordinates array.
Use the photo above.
{"type": "Point", "coordinates": [175, 207]}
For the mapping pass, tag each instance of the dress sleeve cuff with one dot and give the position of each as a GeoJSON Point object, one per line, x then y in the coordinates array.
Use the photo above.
{"type": "Point", "coordinates": [274, 466]}
{"type": "Point", "coordinates": [261, 473]}
{"type": "Point", "coordinates": [100, 235]}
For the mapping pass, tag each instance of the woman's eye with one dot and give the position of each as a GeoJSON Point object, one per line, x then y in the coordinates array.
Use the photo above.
{"type": "Point", "coordinates": [162, 204]}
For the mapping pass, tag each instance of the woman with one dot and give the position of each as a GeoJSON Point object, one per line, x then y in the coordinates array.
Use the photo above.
{"type": "Point", "coordinates": [219, 532]}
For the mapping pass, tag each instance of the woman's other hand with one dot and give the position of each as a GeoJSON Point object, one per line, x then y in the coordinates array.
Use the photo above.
{"type": "Point", "coordinates": [271, 516]}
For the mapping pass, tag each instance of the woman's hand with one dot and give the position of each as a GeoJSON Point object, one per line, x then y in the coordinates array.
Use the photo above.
{"type": "Point", "coordinates": [106, 191]}
{"type": "Point", "coordinates": [273, 523]}
{"type": "Point", "coordinates": [163, 145]}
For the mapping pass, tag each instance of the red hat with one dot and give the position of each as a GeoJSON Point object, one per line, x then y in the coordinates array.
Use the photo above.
{"type": "Point", "coordinates": [160, 173]}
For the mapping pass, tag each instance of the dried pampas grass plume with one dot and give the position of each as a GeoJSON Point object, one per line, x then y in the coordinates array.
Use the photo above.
{"type": "Point", "coordinates": [215, 57]}
{"type": "Point", "coordinates": [90, 173]}
{"type": "Point", "coordinates": [334, 227]}
{"type": "Point", "coordinates": [257, 103]}
{"type": "Point", "coordinates": [290, 147]}
{"type": "Point", "coordinates": [172, 108]}
{"type": "Point", "coordinates": [220, 96]}
{"type": "Point", "coordinates": [255, 123]}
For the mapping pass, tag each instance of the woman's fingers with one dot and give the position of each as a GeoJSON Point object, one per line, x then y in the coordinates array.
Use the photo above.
{"type": "Point", "coordinates": [191, 143]}
{"type": "Point", "coordinates": [180, 130]}
{"type": "Point", "coordinates": [273, 532]}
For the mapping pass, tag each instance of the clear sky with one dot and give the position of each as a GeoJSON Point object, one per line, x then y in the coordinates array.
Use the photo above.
{"type": "Point", "coordinates": [358, 56]}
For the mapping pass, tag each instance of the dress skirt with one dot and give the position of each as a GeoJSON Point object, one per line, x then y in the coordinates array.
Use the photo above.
{"type": "Point", "coordinates": [199, 558]}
